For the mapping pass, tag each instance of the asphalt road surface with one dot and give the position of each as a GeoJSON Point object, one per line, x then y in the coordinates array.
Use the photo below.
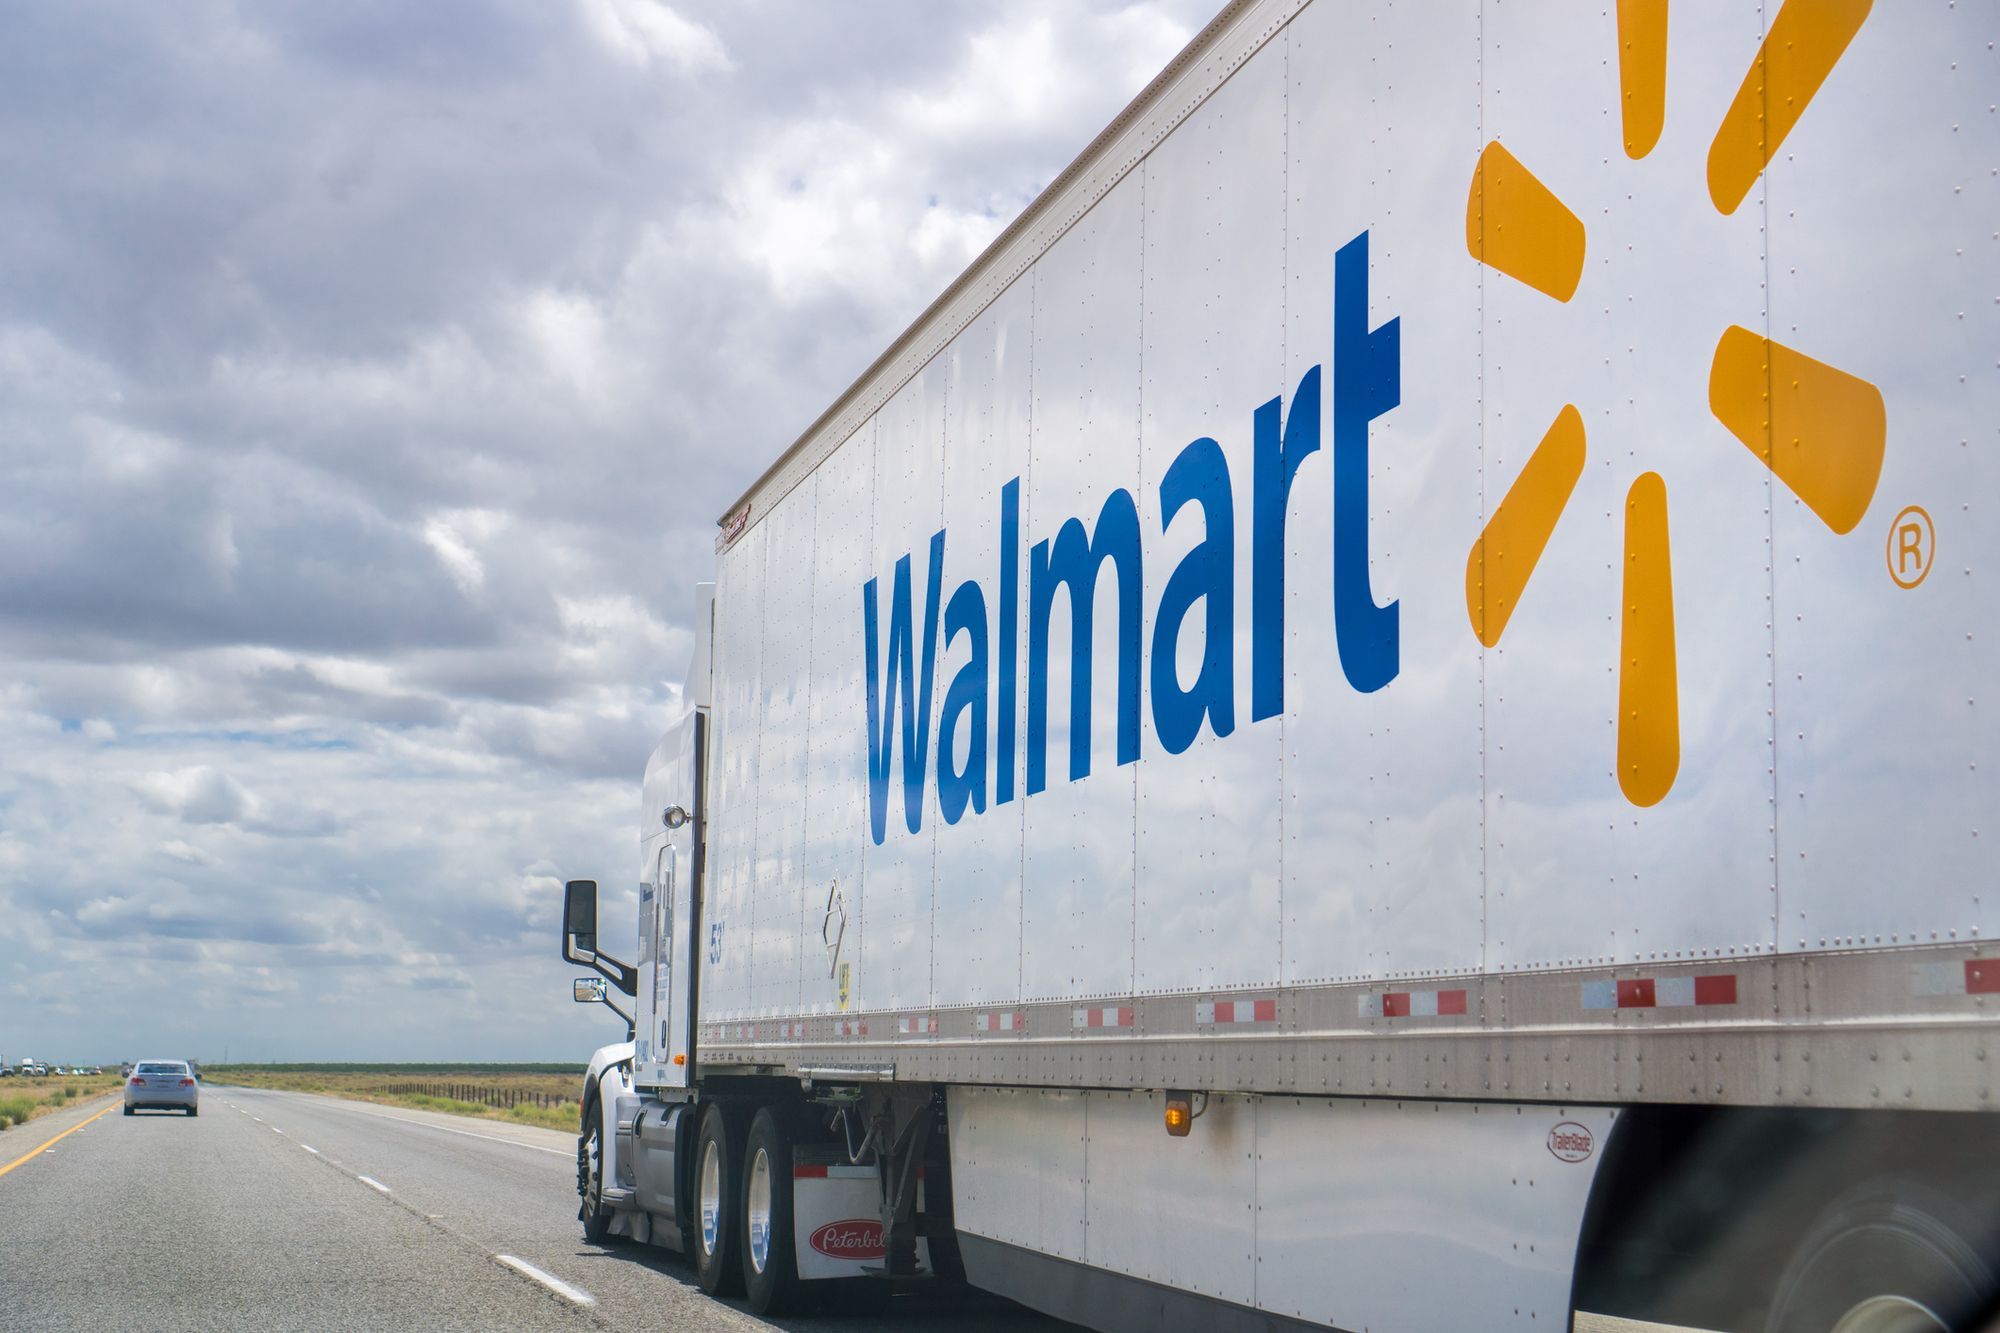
{"type": "Point", "coordinates": [287, 1211]}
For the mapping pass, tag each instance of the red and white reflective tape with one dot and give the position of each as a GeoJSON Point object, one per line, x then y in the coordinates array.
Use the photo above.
{"type": "Point", "coordinates": [851, 1027]}
{"type": "Point", "coordinates": [1013, 1020]}
{"type": "Point", "coordinates": [746, 1032]}
{"type": "Point", "coordinates": [792, 1031]}
{"type": "Point", "coordinates": [1236, 1011]}
{"type": "Point", "coordinates": [917, 1025]}
{"type": "Point", "coordinates": [1412, 1003]}
{"type": "Point", "coordinates": [1121, 1016]}
{"type": "Point", "coordinates": [1975, 976]}
{"type": "Point", "coordinates": [807, 1171]}
{"type": "Point", "coordinates": [1681, 992]}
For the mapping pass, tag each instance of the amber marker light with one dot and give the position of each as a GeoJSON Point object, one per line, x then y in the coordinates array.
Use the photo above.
{"type": "Point", "coordinates": [680, 1059]}
{"type": "Point", "coordinates": [1183, 1109]}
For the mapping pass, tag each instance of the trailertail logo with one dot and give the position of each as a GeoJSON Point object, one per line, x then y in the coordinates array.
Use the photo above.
{"type": "Point", "coordinates": [1367, 380]}
{"type": "Point", "coordinates": [1819, 430]}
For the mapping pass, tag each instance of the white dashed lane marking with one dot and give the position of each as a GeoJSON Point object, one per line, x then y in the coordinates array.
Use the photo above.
{"type": "Point", "coordinates": [462, 1133]}
{"type": "Point", "coordinates": [549, 1280]}
{"type": "Point", "coordinates": [574, 1294]}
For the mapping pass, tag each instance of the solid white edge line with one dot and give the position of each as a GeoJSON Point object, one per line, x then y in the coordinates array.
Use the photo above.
{"type": "Point", "coordinates": [373, 1183]}
{"type": "Point", "coordinates": [549, 1280]}
{"type": "Point", "coordinates": [447, 1129]}
{"type": "Point", "coordinates": [309, 1148]}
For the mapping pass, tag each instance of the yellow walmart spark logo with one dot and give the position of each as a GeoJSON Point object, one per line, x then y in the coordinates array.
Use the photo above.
{"type": "Point", "coordinates": [1819, 430]}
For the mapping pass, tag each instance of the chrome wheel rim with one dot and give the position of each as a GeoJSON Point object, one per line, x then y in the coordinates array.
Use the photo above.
{"type": "Point", "coordinates": [757, 1207]}
{"type": "Point", "coordinates": [594, 1189]}
{"type": "Point", "coordinates": [711, 1195]}
{"type": "Point", "coordinates": [1890, 1314]}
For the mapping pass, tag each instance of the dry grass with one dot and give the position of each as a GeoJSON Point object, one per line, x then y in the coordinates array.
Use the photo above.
{"type": "Point", "coordinates": [545, 1099]}
{"type": "Point", "coordinates": [22, 1099]}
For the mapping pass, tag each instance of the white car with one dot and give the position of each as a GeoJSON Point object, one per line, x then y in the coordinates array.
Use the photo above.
{"type": "Point", "coordinates": [162, 1085]}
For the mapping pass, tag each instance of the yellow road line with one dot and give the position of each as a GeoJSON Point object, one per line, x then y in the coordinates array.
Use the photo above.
{"type": "Point", "coordinates": [57, 1139]}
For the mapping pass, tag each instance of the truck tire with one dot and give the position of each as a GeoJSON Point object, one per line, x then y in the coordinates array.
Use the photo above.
{"type": "Point", "coordinates": [1887, 1259]}
{"type": "Point", "coordinates": [596, 1218]}
{"type": "Point", "coordinates": [770, 1257]}
{"type": "Point", "coordinates": [718, 1200]}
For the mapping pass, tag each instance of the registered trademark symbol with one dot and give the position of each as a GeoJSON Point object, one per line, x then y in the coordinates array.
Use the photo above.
{"type": "Point", "coordinates": [1912, 546]}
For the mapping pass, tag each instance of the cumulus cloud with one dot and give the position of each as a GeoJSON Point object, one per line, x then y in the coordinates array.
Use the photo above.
{"type": "Point", "coordinates": [370, 379]}
{"type": "Point", "coordinates": [199, 795]}
{"type": "Point", "coordinates": [644, 32]}
{"type": "Point", "coordinates": [204, 795]}
{"type": "Point", "coordinates": [186, 852]}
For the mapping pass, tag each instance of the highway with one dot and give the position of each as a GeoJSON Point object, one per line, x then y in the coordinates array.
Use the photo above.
{"type": "Point", "coordinates": [279, 1210]}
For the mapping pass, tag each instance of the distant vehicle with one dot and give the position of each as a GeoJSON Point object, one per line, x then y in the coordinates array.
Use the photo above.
{"type": "Point", "coordinates": [31, 1066]}
{"type": "Point", "coordinates": [125, 1069]}
{"type": "Point", "coordinates": [162, 1085]}
{"type": "Point", "coordinates": [6, 1071]}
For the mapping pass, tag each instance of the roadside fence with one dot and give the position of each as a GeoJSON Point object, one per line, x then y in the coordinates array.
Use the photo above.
{"type": "Point", "coordinates": [500, 1098]}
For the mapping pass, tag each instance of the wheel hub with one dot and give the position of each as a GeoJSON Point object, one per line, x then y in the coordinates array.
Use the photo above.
{"type": "Point", "coordinates": [757, 1207]}
{"type": "Point", "coordinates": [593, 1192]}
{"type": "Point", "coordinates": [711, 1198]}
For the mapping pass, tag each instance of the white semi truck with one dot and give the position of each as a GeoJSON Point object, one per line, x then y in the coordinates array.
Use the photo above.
{"type": "Point", "coordinates": [1379, 719]}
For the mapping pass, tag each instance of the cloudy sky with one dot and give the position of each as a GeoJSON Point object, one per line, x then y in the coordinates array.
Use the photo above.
{"type": "Point", "coordinates": [371, 377]}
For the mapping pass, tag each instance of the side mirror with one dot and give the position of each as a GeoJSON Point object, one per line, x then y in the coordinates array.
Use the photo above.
{"type": "Point", "coordinates": [580, 915]}
{"type": "Point", "coordinates": [579, 939]}
{"type": "Point", "coordinates": [594, 990]}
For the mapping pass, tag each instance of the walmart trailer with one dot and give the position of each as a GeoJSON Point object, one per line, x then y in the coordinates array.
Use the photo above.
{"type": "Point", "coordinates": [1378, 719]}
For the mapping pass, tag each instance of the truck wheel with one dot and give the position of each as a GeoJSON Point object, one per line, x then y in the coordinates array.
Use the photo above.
{"type": "Point", "coordinates": [718, 1199]}
{"type": "Point", "coordinates": [1884, 1260]}
{"type": "Point", "coordinates": [770, 1261]}
{"type": "Point", "coordinates": [595, 1216]}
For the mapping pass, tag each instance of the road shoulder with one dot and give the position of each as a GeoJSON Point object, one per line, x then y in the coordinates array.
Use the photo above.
{"type": "Point", "coordinates": [22, 1143]}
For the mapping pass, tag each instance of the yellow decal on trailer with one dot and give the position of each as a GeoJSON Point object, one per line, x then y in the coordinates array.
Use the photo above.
{"type": "Point", "coordinates": [1820, 430]}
